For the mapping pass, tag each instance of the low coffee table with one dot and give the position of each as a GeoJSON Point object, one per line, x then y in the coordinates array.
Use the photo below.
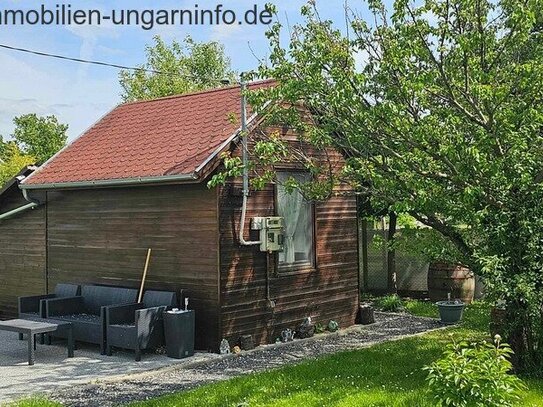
{"type": "Point", "coordinates": [33, 327]}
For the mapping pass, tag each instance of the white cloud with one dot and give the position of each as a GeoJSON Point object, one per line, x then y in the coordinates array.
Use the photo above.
{"type": "Point", "coordinates": [90, 35]}
{"type": "Point", "coordinates": [223, 32]}
{"type": "Point", "coordinates": [32, 90]}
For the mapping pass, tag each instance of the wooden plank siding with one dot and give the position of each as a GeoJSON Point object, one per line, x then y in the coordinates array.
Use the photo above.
{"type": "Point", "coordinates": [22, 252]}
{"type": "Point", "coordinates": [327, 291]}
{"type": "Point", "coordinates": [101, 236]}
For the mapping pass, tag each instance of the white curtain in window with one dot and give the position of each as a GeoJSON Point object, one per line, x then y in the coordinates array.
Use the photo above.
{"type": "Point", "coordinates": [303, 238]}
{"type": "Point", "coordinates": [290, 206]}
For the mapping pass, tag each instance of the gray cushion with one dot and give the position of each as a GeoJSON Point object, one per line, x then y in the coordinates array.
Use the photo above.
{"type": "Point", "coordinates": [83, 318]}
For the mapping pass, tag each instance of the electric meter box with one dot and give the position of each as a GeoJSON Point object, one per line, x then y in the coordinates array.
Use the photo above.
{"type": "Point", "coordinates": [272, 232]}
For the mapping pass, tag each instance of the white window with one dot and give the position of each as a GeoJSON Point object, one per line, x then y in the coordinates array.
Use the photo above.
{"type": "Point", "coordinates": [298, 214]}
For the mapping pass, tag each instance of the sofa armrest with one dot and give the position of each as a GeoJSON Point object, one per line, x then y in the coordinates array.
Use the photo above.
{"type": "Point", "coordinates": [32, 303]}
{"type": "Point", "coordinates": [64, 306]}
{"type": "Point", "coordinates": [119, 314]}
{"type": "Point", "coordinates": [149, 316]}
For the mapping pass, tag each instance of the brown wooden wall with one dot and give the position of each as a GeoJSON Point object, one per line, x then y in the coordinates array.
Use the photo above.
{"type": "Point", "coordinates": [102, 235]}
{"type": "Point", "coordinates": [327, 291]}
{"type": "Point", "coordinates": [22, 253]}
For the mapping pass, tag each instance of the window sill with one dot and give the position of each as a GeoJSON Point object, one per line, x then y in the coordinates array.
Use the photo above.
{"type": "Point", "coordinates": [295, 270]}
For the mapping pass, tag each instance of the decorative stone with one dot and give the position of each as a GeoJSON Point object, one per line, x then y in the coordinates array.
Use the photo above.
{"type": "Point", "coordinates": [236, 349]}
{"type": "Point", "coordinates": [246, 342]}
{"type": "Point", "coordinates": [333, 326]}
{"type": "Point", "coordinates": [306, 329]}
{"type": "Point", "coordinates": [366, 315]}
{"type": "Point", "coordinates": [224, 348]}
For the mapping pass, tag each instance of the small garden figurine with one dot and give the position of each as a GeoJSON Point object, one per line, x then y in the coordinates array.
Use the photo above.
{"type": "Point", "coordinates": [224, 347]}
{"type": "Point", "coordinates": [306, 329]}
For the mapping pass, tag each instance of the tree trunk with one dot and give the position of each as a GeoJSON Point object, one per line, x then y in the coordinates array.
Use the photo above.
{"type": "Point", "coordinates": [519, 330]}
{"type": "Point", "coordinates": [363, 242]}
{"type": "Point", "coordinates": [391, 254]}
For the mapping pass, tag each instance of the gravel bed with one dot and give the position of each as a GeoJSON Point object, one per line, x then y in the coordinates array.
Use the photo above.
{"type": "Point", "coordinates": [174, 379]}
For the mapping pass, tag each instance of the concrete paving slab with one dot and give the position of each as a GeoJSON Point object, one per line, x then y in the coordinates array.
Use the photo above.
{"type": "Point", "coordinates": [55, 371]}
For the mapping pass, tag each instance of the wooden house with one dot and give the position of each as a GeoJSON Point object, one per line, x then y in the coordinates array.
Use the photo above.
{"type": "Point", "coordinates": [137, 179]}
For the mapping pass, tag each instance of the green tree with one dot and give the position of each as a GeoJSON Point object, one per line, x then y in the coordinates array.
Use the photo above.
{"type": "Point", "coordinates": [175, 69]}
{"type": "Point", "coordinates": [12, 161]}
{"type": "Point", "coordinates": [442, 120]}
{"type": "Point", "coordinates": [39, 137]}
{"type": "Point", "coordinates": [34, 140]}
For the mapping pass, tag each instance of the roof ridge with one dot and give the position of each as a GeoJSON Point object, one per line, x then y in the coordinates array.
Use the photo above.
{"type": "Point", "coordinates": [195, 93]}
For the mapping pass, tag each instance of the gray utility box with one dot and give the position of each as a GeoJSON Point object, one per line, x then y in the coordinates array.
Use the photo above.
{"type": "Point", "coordinates": [272, 232]}
{"type": "Point", "coordinates": [179, 334]}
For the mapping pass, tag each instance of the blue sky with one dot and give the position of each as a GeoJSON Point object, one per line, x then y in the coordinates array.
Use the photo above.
{"type": "Point", "coordinates": [80, 94]}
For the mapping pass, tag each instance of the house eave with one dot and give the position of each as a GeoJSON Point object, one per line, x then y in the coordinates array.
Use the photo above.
{"type": "Point", "coordinates": [164, 179]}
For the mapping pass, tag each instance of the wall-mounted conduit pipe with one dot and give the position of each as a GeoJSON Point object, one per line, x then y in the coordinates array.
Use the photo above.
{"type": "Point", "coordinates": [245, 162]}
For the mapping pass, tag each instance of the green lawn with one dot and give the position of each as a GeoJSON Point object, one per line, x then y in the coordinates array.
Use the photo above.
{"type": "Point", "coordinates": [388, 374]}
{"type": "Point", "coordinates": [384, 375]}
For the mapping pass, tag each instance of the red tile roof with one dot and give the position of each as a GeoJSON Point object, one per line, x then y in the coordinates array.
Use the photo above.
{"type": "Point", "coordinates": [155, 138]}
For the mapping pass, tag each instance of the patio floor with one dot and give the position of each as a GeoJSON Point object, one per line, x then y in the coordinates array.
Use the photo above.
{"type": "Point", "coordinates": [55, 371]}
{"type": "Point", "coordinates": [93, 380]}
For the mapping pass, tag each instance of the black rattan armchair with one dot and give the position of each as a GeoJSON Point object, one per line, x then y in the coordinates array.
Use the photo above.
{"type": "Point", "coordinates": [29, 307]}
{"type": "Point", "coordinates": [138, 326]}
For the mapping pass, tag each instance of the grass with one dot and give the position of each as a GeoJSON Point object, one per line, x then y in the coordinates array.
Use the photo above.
{"type": "Point", "coordinates": [387, 374]}
{"type": "Point", "coordinates": [421, 308]}
{"type": "Point", "coordinates": [393, 303]}
{"type": "Point", "coordinates": [35, 402]}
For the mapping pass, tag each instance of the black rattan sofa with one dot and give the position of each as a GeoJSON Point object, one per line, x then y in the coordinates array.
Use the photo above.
{"type": "Point", "coordinates": [87, 311]}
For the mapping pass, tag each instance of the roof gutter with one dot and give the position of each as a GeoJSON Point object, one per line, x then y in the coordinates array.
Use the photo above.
{"type": "Point", "coordinates": [114, 182]}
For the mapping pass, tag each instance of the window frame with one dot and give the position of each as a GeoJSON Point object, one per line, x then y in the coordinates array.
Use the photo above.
{"type": "Point", "coordinates": [296, 268]}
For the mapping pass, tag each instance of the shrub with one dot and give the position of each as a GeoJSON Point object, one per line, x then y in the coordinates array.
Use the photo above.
{"type": "Point", "coordinates": [319, 328]}
{"type": "Point", "coordinates": [475, 375]}
{"type": "Point", "coordinates": [390, 303]}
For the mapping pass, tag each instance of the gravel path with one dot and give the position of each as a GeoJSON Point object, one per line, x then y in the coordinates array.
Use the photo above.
{"type": "Point", "coordinates": [176, 378]}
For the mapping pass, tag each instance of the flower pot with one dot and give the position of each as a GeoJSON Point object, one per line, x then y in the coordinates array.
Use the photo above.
{"type": "Point", "coordinates": [450, 311]}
